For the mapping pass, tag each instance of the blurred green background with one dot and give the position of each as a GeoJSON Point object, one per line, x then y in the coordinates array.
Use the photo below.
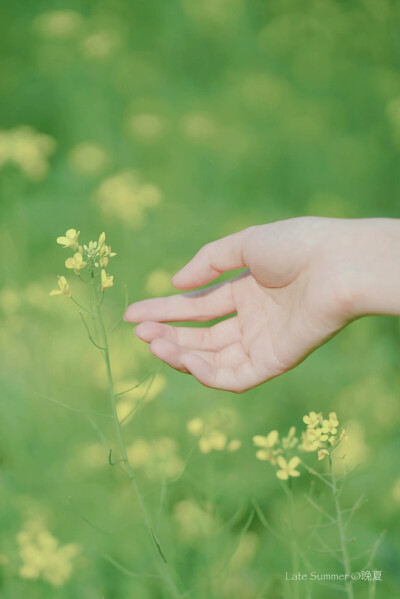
{"type": "Point", "coordinates": [168, 125]}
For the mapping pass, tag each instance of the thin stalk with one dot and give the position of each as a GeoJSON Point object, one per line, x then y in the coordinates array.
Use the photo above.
{"type": "Point", "coordinates": [295, 556]}
{"type": "Point", "coordinates": [342, 535]}
{"type": "Point", "coordinates": [160, 559]}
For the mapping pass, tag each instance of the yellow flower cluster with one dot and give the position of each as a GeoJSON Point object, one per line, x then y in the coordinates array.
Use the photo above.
{"type": "Point", "coordinates": [43, 557]}
{"type": "Point", "coordinates": [124, 197]}
{"type": "Point", "coordinates": [321, 435]}
{"type": "Point", "coordinates": [319, 432]}
{"type": "Point", "coordinates": [158, 458]}
{"type": "Point", "coordinates": [93, 256]}
{"type": "Point", "coordinates": [210, 438]}
{"type": "Point", "coordinates": [28, 150]}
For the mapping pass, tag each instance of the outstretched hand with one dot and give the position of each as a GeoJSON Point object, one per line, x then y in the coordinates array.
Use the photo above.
{"type": "Point", "coordinates": [295, 293]}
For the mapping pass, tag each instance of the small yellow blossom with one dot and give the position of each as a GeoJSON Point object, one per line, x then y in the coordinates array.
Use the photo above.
{"type": "Point", "coordinates": [63, 288]}
{"type": "Point", "coordinates": [43, 557]}
{"type": "Point", "coordinates": [330, 425]}
{"type": "Point", "coordinates": [234, 445]}
{"type": "Point", "coordinates": [291, 440]}
{"type": "Point", "coordinates": [102, 238]}
{"type": "Point", "coordinates": [195, 426]}
{"type": "Point", "coordinates": [106, 280]}
{"type": "Point", "coordinates": [214, 440]}
{"type": "Point", "coordinates": [77, 263]}
{"type": "Point", "coordinates": [312, 420]}
{"type": "Point", "coordinates": [264, 455]}
{"type": "Point", "coordinates": [287, 469]}
{"type": "Point", "coordinates": [322, 453]}
{"type": "Point", "coordinates": [70, 240]}
{"type": "Point", "coordinates": [266, 442]}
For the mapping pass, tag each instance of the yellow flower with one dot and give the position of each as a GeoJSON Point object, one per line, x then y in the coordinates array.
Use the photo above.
{"type": "Point", "coordinates": [102, 238]}
{"type": "Point", "coordinates": [77, 263]}
{"type": "Point", "coordinates": [266, 456]}
{"type": "Point", "coordinates": [312, 420]}
{"type": "Point", "coordinates": [234, 445]}
{"type": "Point", "coordinates": [266, 442]}
{"type": "Point", "coordinates": [63, 288]}
{"type": "Point", "coordinates": [290, 441]}
{"type": "Point", "coordinates": [322, 453]}
{"type": "Point", "coordinates": [195, 426]}
{"type": "Point", "coordinates": [70, 240]}
{"type": "Point", "coordinates": [214, 440]}
{"type": "Point", "coordinates": [287, 469]}
{"type": "Point", "coordinates": [106, 280]}
{"type": "Point", "coordinates": [330, 426]}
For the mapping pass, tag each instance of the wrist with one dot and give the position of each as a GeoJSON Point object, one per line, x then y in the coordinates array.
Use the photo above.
{"type": "Point", "coordinates": [370, 267]}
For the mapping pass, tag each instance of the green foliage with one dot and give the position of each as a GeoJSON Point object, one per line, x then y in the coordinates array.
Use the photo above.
{"type": "Point", "coordinates": [170, 124]}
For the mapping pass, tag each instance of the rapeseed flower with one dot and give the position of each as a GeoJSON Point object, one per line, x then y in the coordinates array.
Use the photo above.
{"type": "Point", "coordinates": [70, 239]}
{"type": "Point", "coordinates": [287, 469]}
{"type": "Point", "coordinates": [63, 288]}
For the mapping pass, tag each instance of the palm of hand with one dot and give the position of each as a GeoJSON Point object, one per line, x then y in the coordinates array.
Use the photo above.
{"type": "Point", "coordinates": [276, 319]}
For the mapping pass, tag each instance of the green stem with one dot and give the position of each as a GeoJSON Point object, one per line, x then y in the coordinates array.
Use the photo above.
{"type": "Point", "coordinates": [162, 565]}
{"type": "Point", "coordinates": [342, 535]}
{"type": "Point", "coordinates": [295, 556]}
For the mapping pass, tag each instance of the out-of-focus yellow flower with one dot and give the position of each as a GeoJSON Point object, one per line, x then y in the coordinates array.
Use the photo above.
{"type": "Point", "coordinates": [234, 445]}
{"type": "Point", "coordinates": [9, 300]}
{"type": "Point", "coordinates": [291, 440]}
{"type": "Point", "coordinates": [158, 458]}
{"type": "Point", "coordinates": [88, 159]}
{"type": "Point", "coordinates": [266, 442]}
{"type": "Point", "coordinates": [158, 282]}
{"type": "Point", "coordinates": [322, 453]}
{"type": "Point", "coordinates": [265, 455]}
{"type": "Point", "coordinates": [147, 127]}
{"type": "Point", "coordinates": [214, 440]}
{"type": "Point", "coordinates": [70, 239]}
{"type": "Point", "coordinates": [100, 44]}
{"type": "Point", "coordinates": [330, 426]}
{"type": "Point", "coordinates": [63, 288]}
{"type": "Point", "coordinates": [58, 23]}
{"type": "Point", "coordinates": [195, 426]}
{"type": "Point", "coordinates": [194, 522]}
{"type": "Point", "coordinates": [28, 149]}
{"type": "Point", "coordinates": [125, 198]}
{"type": "Point", "coordinates": [107, 281]}
{"type": "Point", "coordinates": [43, 557]}
{"type": "Point", "coordinates": [287, 469]}
{"type": "Point", "coordinates": [312, 420]}
{"type": "Point", "coordinates": [198, 127]}
{"type": "Point", "coordinates": [76, 262]}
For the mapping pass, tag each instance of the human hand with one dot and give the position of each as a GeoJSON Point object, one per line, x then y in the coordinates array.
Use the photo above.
{"type": "Point", "coordinates": [298, 290]}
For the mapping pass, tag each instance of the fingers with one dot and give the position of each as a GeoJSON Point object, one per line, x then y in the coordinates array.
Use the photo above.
{"type": "Point", "coordinates": [206, 304]}
{"type": "Point", "coordinates": [237, 379]}
{"type": "Point", "coordinates": [214, 338]}
{"type": "Point", "coordinates": [213, 259]}
{"type": "Point", "coordinates": [229, 369]}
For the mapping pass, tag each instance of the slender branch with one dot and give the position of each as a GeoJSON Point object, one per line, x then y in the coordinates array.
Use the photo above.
{"type": "Point", "coordinates": [82, 307]}
{"type": "Point", "coordinates": [120, 319]}
{"type": "Point", "coordinates": [89, 333]}
{"type": "Point", "coordinates": [162, 565]}
{"type": "Point", "coordinates": [345, 556]}
{"type": "Point", "coordinates": [71, 408]}
{"type": "Point", "coordinates": [122, 568]}
{"type": "Point", "coordinates": [320, 509]}
{"type": "Point", "coordinates": [317, 474]}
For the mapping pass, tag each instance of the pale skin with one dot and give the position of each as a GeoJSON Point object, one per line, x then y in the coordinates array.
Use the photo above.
{"type": "Point", "coordinates": [304, 280]}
